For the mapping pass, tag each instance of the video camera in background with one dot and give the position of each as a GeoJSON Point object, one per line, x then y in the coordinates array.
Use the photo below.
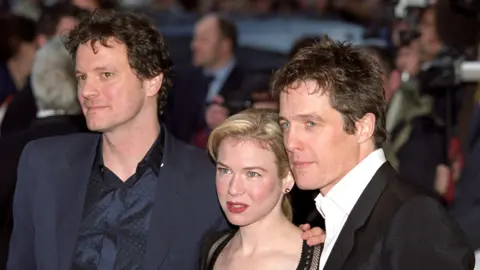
{"type": "Point", "coordinates": [452, 66]}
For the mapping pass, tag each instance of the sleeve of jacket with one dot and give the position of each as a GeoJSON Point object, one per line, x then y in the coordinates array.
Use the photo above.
{"type": "Point", "coordinates": [22, 250]}
{"type": "Point", "coordinates": [423, 236]}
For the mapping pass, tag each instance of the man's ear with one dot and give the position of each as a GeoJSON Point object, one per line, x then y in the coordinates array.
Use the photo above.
{"type": "Point", "coordinates": [153, 85]}
{"type": "Point", "coordinates": [288, 183]}
{"type": "Point", "coordinates": [365, 128]}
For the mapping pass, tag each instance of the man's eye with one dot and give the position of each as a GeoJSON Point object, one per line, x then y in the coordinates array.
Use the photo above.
{"type": "Point", "coordinates": [311, 124]}
{"type": "Point", "coordinates": [284, 125]}
{"type": "Point", "coordinates": [107, 74]}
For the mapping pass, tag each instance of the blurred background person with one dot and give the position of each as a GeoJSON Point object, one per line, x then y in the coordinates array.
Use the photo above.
{"type": "Point", "coordinates": [202, 95]}
{"type": "Point", "coordinates": [17, 50]}
{"type": "Point", "coordinates": [55, 20]}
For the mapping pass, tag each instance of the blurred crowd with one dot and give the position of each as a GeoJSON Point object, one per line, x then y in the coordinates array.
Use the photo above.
{"type": "Point", "coordinates": [224, 52]}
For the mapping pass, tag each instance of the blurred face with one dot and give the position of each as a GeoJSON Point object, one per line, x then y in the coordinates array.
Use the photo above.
{"type": "Point", "coordinates": [265, 105]}
{"type": "Point", "coordinates": [89, 5]}
{"type": "Point", "coordinates": [320, 151]}
{"type": "Point", "coordinates": [110, 93]}
{"type": "Point", "coordinates": [66, 24]}
{"type": "Point", "coordinates": [206, 43]}
{"type": "Point", "coordinates": [408, 58]}
{"type": "Point", "coordinates": [26, 54]}
{"type": "Point", "coordinates": [429, 42]}
{"type": "Point", "coordinates": [248, 186]}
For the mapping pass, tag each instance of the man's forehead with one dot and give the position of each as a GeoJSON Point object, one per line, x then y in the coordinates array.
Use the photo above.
{"type": "Point", "coordinates": [305, 90]}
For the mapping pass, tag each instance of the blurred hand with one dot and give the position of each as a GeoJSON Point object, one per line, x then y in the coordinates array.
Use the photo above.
{"type": "Point", "coordinates": [313, 236]}
{"type": "Point", "coordinates": [216, 113]}
{"type": "Point", "coordinates": [442, 179]}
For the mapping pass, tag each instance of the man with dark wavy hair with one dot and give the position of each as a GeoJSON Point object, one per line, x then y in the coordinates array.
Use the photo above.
{"type": "Point", "coordinates": [332, 111]}
{"type": "Point", "coordinates": [123, 198]}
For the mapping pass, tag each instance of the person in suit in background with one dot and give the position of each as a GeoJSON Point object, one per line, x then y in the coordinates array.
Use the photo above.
{"type": "Point", "coordinates": [202, 96]}
{"type": "Point", "coordinates": [124, 197]}
{"type": "Point", "coordinates": [55, 90]}
{"type": "Point", "coordinates": [54, 21]}
{"type": "Point", "coordinates": [332, 111]}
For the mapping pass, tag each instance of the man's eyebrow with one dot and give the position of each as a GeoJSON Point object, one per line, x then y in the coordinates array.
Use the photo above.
{"type": "Point", "coordinates": [307, 116]}
{"type": "Point", "coordinates": [281, 118]}
{"type": "Point", "coordinates": [100, 68]}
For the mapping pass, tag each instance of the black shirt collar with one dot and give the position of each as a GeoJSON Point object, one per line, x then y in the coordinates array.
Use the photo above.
{"type": "Point", "coordinates": [153, 158]}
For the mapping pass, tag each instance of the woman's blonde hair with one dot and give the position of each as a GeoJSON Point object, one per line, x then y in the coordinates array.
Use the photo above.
{"type": "Point", "coordinates": [260, 126]}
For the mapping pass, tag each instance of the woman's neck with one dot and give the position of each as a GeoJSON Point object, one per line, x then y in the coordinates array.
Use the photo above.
{"type": "Point", "coordinates": [265, 234]}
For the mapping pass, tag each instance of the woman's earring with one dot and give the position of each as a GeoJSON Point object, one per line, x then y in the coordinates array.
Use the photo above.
{"type": "Point", "coordinates": [287, 190]}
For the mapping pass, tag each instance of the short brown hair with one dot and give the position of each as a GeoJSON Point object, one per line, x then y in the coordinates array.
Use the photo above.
{"type": "Point", "coordinates": [302, 43]}
{"type": "Point", "coordinates": [352, 79]}
{"type": "Point", "coordinates": [229, 31]}
{"type": "Point", "coordinates": [147, 51]}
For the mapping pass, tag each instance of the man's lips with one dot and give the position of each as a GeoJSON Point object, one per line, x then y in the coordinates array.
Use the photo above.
{"type": "Point", "coordinates": [301, 164]}
{"type": "Point", "coordinates": [95, 108]}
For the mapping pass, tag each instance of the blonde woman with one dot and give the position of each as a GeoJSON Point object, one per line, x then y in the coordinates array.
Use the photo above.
{"type": "Point", "coordinates": [253, 180]}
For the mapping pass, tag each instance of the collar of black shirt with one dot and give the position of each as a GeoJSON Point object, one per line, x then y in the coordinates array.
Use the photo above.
{"type": "Point", "coordinates": [152, 159]}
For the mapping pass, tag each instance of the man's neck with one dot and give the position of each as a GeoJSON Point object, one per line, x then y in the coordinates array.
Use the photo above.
{"type": "Point", "coordinates": [264, 234]}
{"type": "Point", "coordinates": [123, 149]}
{"type": "Point", "coordinates": [365, 150]}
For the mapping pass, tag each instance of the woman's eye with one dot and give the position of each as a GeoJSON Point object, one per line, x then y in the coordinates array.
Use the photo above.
{"type": "Point", "coordinates": [222, 170]}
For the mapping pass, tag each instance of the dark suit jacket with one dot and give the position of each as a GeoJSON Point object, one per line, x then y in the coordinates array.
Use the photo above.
{"type": "Point", "coordinates": [21, 112]}
{"type": "Point", "coordinates": [11, 148]}
{"type": "Point", "coordinates": [184, 114]}
{"type": "Point", "coordinates": [52, 180]}
{"type": "Point", "coordinates": [466, 206]}
{"type": "Point", "coordinates": [393, 226]}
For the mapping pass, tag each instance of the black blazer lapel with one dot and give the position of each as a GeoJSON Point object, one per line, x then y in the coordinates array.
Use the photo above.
{"type": "Point", "coordinates": [232, 87]}
{"type": "Point", "coordinates": [71, 190]}
{"type": "Point", "coordinates": [359, 215]}
{"type": "Point", "coordinates": [168, 208]}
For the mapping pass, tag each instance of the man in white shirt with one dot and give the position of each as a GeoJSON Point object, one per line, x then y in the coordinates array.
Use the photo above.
{"type": "Point", "coordinates": [332, 111]}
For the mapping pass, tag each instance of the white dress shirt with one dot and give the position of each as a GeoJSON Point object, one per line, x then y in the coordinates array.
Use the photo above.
{"type": "Point", "coordinates": [219, 78]}
{"type": "Point", "coordinates": [336, 206]}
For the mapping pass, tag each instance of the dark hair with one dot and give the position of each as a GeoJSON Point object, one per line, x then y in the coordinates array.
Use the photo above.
{"type": "Point", "coordinates": [147, 51]}
{"type": "Point", "coordinates": [350, 76]}
{"type": "Point", "coordinates": [259, 87]}
{"type": "Point", "coordinates": [15, 30]}
{"type": "Point", "coordinates": [303, 42]}
{"type": "Point", "coordinates": [387, 62]}
{"type": "Point", "coordinates": [229, 31]}
{"type": "Point", "coordinates": [51, 16]}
